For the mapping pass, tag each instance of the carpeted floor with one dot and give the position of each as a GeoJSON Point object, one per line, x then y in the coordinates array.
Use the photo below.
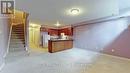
{"type": "Point", "coordinates": [68, 61]}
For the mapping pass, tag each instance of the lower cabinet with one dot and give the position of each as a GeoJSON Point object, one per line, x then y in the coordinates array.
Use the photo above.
{"type": "Point", "coordinates": [59, 45]}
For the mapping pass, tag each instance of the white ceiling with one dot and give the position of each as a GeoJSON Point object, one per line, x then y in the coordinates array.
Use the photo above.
{"type": "Point", "coordinates": [51, 11]}
{"type": "Point", "coordinates": [123, 4]}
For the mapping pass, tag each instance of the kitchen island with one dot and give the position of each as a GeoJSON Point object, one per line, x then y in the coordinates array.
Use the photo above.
{"type": "Point", "coordinates": [56, 45]}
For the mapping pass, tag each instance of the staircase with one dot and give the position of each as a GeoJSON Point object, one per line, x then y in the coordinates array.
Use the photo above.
{"type": "Point", "coordinates": [17, 40]}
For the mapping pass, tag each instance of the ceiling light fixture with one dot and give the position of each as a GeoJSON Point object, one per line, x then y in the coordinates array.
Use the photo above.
{"type": "Point", "coordinates": [57, 24]}
{"type": "Point", "coordinates": [74, 11]}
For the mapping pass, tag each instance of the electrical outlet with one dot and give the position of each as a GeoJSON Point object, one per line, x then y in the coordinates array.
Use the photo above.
{"type": "Point", "coordinates": [113, 50]}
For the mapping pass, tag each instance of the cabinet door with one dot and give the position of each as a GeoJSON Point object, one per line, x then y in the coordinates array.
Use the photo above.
{"type": "Point", "coordinates": [53, 32]}
{"type": "Point", "coordinates": [56, 47]}
{"type": "Point", "coordinates": [68, 44]}
{"type": "Point", "coordinates": [67, 31]}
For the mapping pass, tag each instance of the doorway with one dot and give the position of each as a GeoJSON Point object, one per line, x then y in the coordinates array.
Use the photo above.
{"type": "Point", "coordinates": [36, 39]}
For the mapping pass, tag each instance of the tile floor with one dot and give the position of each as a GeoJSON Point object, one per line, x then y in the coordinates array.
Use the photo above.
{"type": "Point", "coordinates": [69, 61]}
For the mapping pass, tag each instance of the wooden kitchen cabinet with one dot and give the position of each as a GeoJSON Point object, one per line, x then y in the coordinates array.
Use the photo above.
{"type": "Point", "coordinates": [53, 32]}
{"type": "Point", "coordinates": [68, 44]}
{"type": "Point", "coordinates": [67, 31]}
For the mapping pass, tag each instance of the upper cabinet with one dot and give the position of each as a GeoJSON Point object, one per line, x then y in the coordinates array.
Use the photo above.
{"type": "Point", "coordinates": [53, 32]}
{"type": "Point", "coordinates": [56, 32]}
{"type": "Point", "coordinates": [67, 31]}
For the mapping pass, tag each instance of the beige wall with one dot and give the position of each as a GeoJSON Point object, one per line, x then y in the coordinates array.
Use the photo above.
{"type": "Point", "coordinates": [18, 18]}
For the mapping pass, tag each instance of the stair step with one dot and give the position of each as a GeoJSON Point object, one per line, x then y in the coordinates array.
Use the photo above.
{"type": "Point", "coordinates": [18, 25]}
{"type": "Point", "coordinates": [16, 49]}
{"type": "Point", "coordinates": [17, 42]}
{"type": "Point", "coordinates": [17, 46]}
{"type": "Point", "coordinates": [17, 32]}
{"type": "Point", "coordinates": [18, 28]}
{"type": "Point", "coordinates": [13, 31]}
{"type": "Point", "coordinates": [21, 37]}
{"type": "Point", "coordinates": [17, 38]}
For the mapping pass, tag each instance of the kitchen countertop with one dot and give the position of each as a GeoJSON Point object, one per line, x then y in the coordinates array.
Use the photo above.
{"type": "Point", "coordinates": [55, 40]}
{"type": "Point", "coordinates": [56, 45]}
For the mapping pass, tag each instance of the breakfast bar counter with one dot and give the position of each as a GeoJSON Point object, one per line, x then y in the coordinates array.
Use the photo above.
{"type": "Point", "coordinates": [56, 45]}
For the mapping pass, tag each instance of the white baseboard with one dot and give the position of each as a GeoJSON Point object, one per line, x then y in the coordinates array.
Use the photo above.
{"type": "Point", "coordinates": [5, 55]}
{"type": "Point", "coordinates": [2, 66]}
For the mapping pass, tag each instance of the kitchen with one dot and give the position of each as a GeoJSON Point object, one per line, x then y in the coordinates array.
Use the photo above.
{"type": "Point", "coordinates": [48, 39]}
